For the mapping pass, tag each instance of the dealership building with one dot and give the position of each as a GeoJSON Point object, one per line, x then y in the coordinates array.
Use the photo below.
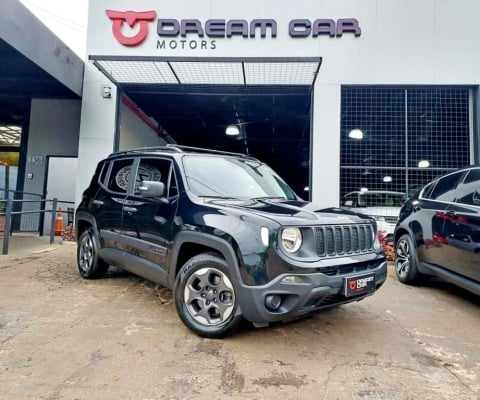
{"type": "Point", "coordinates": [335, 95]}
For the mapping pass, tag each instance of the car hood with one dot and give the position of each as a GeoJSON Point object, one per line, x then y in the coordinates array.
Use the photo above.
{"type": "Point", "coordinates": [291, 212]}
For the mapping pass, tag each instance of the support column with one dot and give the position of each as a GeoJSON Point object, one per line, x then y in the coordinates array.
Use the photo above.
{"type": "Point", "coordinates": [326, 145]}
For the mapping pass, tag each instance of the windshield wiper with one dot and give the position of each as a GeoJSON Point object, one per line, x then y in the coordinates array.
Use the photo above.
{"type": "Point", "coordinates": [219, 197]}
{"type": "Point", "coordinates": [270, 198]}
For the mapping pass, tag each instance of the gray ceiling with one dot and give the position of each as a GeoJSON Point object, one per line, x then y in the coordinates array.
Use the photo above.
{"type": "Point", "coordinates": [20, 80]}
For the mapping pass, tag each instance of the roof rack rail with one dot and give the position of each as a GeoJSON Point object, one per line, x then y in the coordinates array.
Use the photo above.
{"type": "Point", "coordinates": [152, 148]}
{"type": "Point", "coordinates": [203, 150]}
{"type": "Point", "coordinates": [180, 149]}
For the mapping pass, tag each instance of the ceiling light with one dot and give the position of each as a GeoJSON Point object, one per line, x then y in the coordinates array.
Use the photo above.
{"type": "Point", "coordinates": [356, 134]}
{"type": "Point", "coordinates": [364, 189]}
{"type": "Point", "coordinates": [423, 164]}
{"type": "Point", "coordinates": [387, 179]}
{"type": "Point", "coordinates": [232, 130]}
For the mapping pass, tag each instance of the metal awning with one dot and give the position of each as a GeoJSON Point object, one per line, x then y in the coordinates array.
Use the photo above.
{"type": "Point", "coordinates": [299, 71]}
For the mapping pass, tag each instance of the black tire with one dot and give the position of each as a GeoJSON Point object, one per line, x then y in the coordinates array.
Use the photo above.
{"type": "Point", "coordinates": [406, 262]}
{"type": "Point", "coordinates": [90, 265]}
{"type": "Point", "coordinates": [205, 297]}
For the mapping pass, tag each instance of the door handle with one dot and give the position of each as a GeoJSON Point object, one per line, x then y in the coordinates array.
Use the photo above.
{"type": "Point", "coordinates": [130, 209]}
{"type": "Point", "coordinates": [98, 202]}
{"type": "Point", "coordinates": [451, 213]}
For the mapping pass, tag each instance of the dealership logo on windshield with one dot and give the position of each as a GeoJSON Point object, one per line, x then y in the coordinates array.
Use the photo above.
{"type": "Point", "coordinates": [131, 28]}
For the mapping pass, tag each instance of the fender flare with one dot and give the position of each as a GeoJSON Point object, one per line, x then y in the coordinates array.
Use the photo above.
{"type": "Point", "coordinates": [204, 239]}
{"type": "Point", "coordinates": [85, 216]}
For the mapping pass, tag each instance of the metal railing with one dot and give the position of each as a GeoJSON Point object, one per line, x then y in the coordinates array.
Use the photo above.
{"type": "Point", "coordinates": [16, 212]}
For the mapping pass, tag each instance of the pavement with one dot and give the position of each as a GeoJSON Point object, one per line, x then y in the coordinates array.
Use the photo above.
{"type": "Point", "coordinates": [24, 243]}
{"type": "Point", "coordinates": [63, 337]}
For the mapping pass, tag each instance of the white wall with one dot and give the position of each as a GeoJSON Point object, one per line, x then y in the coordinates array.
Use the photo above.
{"type": "Point", "coordinates": [53, 131]}
{"type": "Point", "coordinates": [134, 130]}
{"type": "Point", "coordinates": [402, 41]}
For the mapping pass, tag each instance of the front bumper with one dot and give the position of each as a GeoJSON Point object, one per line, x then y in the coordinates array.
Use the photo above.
{"type": "Point", "coordinates": [316, 291]}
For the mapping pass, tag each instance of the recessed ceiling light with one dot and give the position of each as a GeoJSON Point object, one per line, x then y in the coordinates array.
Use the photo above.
{"type": "Point", "coordinates": [423, 164]}
{"type": "Point", "coordinates": [232, 130]}
{"type": "Point", "coordinates": [356, 134]}
{"type": "Point", "coordinates": [387, 179]}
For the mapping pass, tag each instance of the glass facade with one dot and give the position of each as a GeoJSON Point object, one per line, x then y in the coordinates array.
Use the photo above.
{"type": "Point", "coordinates": [399, 138]}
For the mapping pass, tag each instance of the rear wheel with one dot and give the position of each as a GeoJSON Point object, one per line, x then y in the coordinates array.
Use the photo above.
{"type": "Point", "coordinates": [205, 297]}
{"type": "Point", "coordinates": [406, 263]}
{"type": "Point", "coordinates": [90, 265]}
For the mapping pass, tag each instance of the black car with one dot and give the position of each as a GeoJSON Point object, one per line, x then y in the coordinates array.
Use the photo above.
{"type": "Point", "coordinates": [438, 232]}
{"type": "Point", "coordinates": [227, 234]}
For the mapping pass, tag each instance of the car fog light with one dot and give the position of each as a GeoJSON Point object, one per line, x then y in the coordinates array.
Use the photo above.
{"type": "Point", "coordinates": [292, 279]}
{"type": "Point", "coordinates": [273, 301]}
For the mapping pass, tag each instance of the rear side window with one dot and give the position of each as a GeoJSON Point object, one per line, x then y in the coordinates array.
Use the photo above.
{"type": "Point", "coordinates": [120, 178]}
{"type": "Point", "coordinates": [469, 189]}
{"type": "Point", "coordinates": [445, 188]}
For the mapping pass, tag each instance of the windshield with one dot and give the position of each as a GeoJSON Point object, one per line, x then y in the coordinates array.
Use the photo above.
{"type": "Point", "coordinates": [229, 177]}
{"type": "Point", "coordinates": [381, 199]}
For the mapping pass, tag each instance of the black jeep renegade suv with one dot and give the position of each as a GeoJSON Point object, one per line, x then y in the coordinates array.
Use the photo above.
{"type": "Point", "coordinates": [227, 234]}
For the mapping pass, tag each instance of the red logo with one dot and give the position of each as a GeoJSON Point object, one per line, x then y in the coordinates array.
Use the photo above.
{"type": "Point", "coordinates": [353, 285]}
{"type": "Point", "coordinates": [131, 18]}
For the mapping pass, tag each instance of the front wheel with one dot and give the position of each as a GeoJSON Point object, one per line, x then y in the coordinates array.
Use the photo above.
{"type": "Point", "coordinates": [90, 265]}
{"type": "Point", "coordinates": [205, 297]}
{"type": "Point", "coordinates": [406, 263]}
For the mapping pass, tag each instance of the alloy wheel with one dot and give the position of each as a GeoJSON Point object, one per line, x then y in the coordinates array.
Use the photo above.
{"type": "Point", "coordinates": [209, 296]}
{"type": "Point", "coordinates": [402, 259]}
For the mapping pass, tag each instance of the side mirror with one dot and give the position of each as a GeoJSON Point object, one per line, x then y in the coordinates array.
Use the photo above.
{"type": "Point", "coordinates": [152, 189]}
{"type": "Point", "coordinates": [348, 203]}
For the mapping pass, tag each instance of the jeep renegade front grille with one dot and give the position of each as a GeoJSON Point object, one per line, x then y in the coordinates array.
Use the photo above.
{"type": "Point", "coordinates": [339, 240]}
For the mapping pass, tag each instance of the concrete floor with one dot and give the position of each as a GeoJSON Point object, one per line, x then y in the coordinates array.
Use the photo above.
{"type": "Point", "coordinates": [63, 337]}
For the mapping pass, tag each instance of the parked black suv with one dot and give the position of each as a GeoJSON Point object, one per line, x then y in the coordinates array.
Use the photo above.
{"type": "Point", "coordinates": [227, 234]}
{"type": "Point", "coordinates": [438, 232]}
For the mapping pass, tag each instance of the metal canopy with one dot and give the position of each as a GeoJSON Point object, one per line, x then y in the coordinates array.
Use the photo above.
{"type": "Point", "coordinates": [204, 71]}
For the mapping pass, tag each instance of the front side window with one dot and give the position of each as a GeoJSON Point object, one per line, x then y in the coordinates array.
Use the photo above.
{"type": "Point", "coordinates": [469, 191]}
{"type": "Point", "coordinates": [233, 178]}
{"type": "Point", "coordinates": [158, 170]}
{"type": "Point", "coordinates": [445, 188]}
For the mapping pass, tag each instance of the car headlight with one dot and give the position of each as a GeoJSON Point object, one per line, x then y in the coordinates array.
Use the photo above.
{"type": "Point", "coordinates": [291, 239]}
{"type": "Point", "coordinates": [379, 218]}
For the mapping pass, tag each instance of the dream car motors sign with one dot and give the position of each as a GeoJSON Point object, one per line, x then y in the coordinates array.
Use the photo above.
{"type": "Point", "coordinates": [131, 29]}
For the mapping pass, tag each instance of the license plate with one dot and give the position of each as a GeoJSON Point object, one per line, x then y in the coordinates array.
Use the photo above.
{"type": "Point", "coordinates": [360, 284]}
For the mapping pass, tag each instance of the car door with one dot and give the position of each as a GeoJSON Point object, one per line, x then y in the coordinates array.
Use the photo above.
{"type": "Point", "coordinates": [462, 228]}
{"type": "Point", "coordinates": [107, 205]}
{"type": "Point", "coordinates": [430, 217]}
{"type": "Point", "coordinates": [148, 222]}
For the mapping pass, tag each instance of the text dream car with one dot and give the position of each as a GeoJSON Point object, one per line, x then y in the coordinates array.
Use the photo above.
{"type": "Point", "coordinates": [439, 231]}
{"type": "Point", "coordinates": [227, 234]}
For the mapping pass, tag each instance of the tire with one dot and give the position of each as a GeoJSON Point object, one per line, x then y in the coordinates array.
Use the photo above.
{"type": "Point", "coordinates": [406, 262]}
{"type": "Point", "coordinates": [90, 265]}
{"type": "Point", "coordinates": [205, 297]}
